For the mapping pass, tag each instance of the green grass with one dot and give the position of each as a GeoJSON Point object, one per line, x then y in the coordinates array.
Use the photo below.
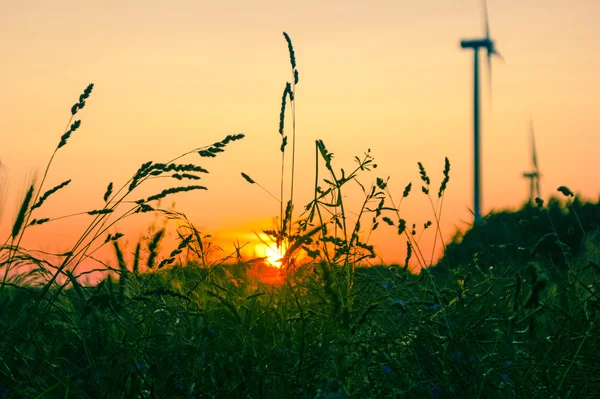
{"type": "Point", "coordinates": [510, 311]}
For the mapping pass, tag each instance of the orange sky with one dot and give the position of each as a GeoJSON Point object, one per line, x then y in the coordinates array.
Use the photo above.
{"type": "Point", "coordinates": [385, 75]}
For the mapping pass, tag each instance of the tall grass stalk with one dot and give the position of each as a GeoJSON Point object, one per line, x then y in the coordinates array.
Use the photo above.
{"type": "Point", "coordinates": [102, 220]}
{"type": "Point", "coordinates": [70, 128]}
{"type": "Point", "coordinates": [293, 96]}
{"type": "Point", "coordinates": [285, 224]}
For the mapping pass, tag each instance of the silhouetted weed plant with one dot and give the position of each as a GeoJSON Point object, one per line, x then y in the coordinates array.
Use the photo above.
{"type": "Point", "coordinates": [48, 280]}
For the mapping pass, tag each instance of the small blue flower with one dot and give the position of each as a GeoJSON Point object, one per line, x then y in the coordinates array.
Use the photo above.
{"type": "Point", "coordinates": [508, 363]}
{"type": "Point", "coordinates": [435, 390]}
{"type": "Point", "coordinates": [398, 302]}
{"type": "Point", "coordinates": [386, 285]}
{"type": "Point", "coordinates": [456, 355]}
{"type": "Point", "coordinates": [505, 377]}
{"type": "Point", "coordinates": [472, 358]}
{"type": "Point", "coordinates": [385, 369]}
{"type": "Point", "coordinates": [3, 392]}
{"type": "Point", "coordinates": [211, 332]}
{"type": "Point", "coordinates": [435, 306]}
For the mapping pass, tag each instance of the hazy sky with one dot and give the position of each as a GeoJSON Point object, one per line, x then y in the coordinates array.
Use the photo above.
{"type": "Point", "coordinates": [385, 75]}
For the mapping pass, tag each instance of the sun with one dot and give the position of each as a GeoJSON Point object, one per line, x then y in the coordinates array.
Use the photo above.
{"type": "Point", "coordinates": [273, 256]}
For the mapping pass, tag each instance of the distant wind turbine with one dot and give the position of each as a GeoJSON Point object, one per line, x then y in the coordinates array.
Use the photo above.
{"type": "Point", "coordinates": [475, 44]}
{"type": "Point", "coordinates": [534, 176]}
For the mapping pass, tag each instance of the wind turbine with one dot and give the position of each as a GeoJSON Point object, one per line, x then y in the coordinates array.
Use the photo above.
{"type": "Point", "coordinates": [534, 176]}
{"type": "Point", "coordinates": [476, 44]}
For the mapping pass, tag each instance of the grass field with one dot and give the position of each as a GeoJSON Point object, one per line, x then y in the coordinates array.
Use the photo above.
{"type": "Point", "coordinates": [509, 311]}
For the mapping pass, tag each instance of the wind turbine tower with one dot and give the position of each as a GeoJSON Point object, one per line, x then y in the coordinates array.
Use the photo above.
{"type": "Point", "coordinates": [533, 176]}
{"type": "Point", "coordinates": [475, 44]}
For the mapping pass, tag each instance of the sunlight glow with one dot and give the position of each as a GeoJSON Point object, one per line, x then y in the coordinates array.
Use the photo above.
{"type": "Point", "coordinates": [274, 256]}
{"type": "Point", "coordinates": [270, 271]}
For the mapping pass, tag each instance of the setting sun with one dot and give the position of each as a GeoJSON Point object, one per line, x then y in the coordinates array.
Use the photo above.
{"type": "Point", "coordinates": [273, 256]}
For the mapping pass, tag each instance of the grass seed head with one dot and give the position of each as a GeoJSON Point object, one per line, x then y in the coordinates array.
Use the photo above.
{"type": "Point", "coordinates": [63, 139]}
{"type": "Point", "coordinates": [86, 93]}
{"type": "Point", "coordinates": [291, 49]}
{"type": "Point", "coordinates": [248, 178]}
{"type": "Point", "coordinates": [22, 212]}
{"type": "Point", "coordinates": [49, 193]}
{"type": "Point", "coordinates": [566, 191]}
{"type": "Point", "coordinates": [407, 190]}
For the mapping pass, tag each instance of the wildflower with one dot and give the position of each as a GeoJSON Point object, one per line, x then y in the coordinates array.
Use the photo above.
{"type": "Point", "coordinates": [3, 392]}
{"type": "Point", "coordinates": [211, 333]}
{"type": "Point", "coordinates": [508, 363]}
{"type": "Point", "coordinates": [505, 377]}
{"type": "Point", "coordinates": [385, 369]}
{"type": "Point", "coordinates": [456, 355]}
{"type": "Point", "coordinates": [398, 302]}
{"type": "Point", "coordinates": [472, 358]}
{"type": "Point", "coordinates": [435, 390]}
{"type": "Point", "coordinates": [386, 285]}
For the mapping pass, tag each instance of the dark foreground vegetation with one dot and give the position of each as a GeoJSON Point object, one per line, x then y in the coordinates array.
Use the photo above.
{"type": "Point", "coordinates": [510, 311]}
{"type": "Point", "coordinates": [508, 319]}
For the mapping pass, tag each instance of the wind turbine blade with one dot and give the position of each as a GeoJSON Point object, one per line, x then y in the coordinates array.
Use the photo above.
{"type": "Point", "coordinates": [486, 22]}
{"type": "Point", "coordinates": [497, 54]}
{"type": "Point", "coordinates": [489, 65]}
{"type": "Point", "coordinates": [533, 151]}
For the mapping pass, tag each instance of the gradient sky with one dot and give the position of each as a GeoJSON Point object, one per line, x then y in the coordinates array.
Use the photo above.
{"type": "Point", "coordinates": [385, 75]}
